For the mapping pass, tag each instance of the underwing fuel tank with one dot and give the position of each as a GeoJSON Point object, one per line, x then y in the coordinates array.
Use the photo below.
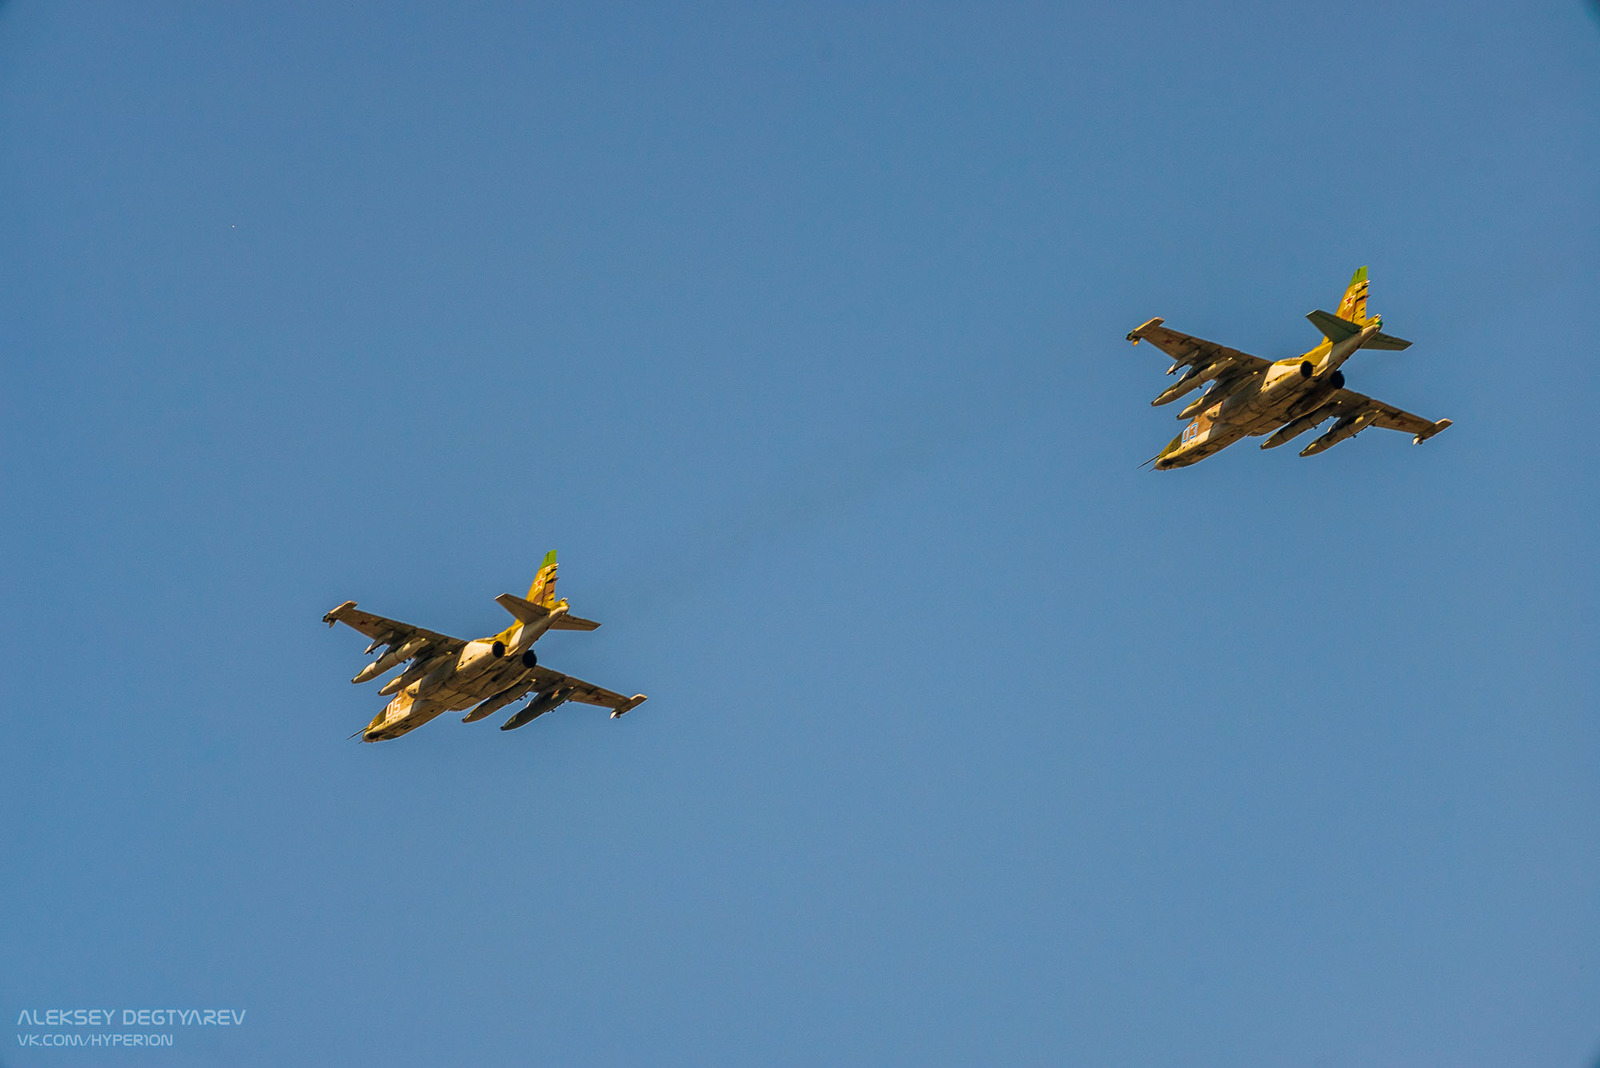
{"type": "Point", "coordinates": [408, 676]}
{"type": "Point", "coordinates": [1348, 427]}
{"type": "Point", "coordinates": [389, 660]}
{"type": "Point", "coordinates": [1183, 385]}
{"type": "Point", "coordinates": [479, 655]}
{"type": "Point", "coordinates": [1293, 429]}
{"type": "Point", "coordinates": [494, 704]}
{"type": "Point", "coordinates": [536, 708]}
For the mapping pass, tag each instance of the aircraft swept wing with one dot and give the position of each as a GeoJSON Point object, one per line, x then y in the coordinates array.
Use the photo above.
{"type": "Point", "coordinates": [391, 632]}
{"type": "Point", "coordinates": [554, 689]}
{"type": "Point", "coordinates": [1387, 416]}
{"type": "Point", "coordinates": [587, 693]}
{"type": "Point", "coordinates": [1197, 353]}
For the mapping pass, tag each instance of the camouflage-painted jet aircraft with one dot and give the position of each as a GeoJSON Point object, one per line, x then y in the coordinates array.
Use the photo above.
{"type": "Point", "coordinates": [448, 674]}
{"type": "Point", "coordinates": [1285, 398]}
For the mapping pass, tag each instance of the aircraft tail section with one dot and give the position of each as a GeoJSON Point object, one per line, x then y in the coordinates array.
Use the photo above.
{"type": "Point", "coordinates": [541, 603]}
{"type": "Point", "coordinates": [1337, 329]}
{"type": "Point", "coordinates": [528, 612]}
{"type": "Point", "coordinates": [1353, 309]}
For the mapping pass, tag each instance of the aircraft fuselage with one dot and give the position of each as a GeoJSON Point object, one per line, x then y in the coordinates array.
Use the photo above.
{"type": "Point", "coordinates": [1262, 402]}
{"type": "Point", "coordinates": [447, 688]}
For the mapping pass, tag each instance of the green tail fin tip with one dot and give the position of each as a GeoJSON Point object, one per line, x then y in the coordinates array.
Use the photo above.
{"type": "Point", "coordinates": [1359, 276]}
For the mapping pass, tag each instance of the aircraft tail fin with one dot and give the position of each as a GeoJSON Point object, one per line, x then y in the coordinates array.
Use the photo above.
{"type": "Point", "coordinates": [1353, 307]}
{"type": "Point", "coordinates": [543, 590]}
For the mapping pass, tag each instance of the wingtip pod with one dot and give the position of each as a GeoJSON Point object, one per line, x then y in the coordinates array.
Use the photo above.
{"type": "Point", "coordinates": [1137, 335]}
{"type": "Point", "coordinates": [1443, 424]}
{"type": "Point", "coordinates": [333, 617]}
{"type": "Point", "coordinates": [633, 702]}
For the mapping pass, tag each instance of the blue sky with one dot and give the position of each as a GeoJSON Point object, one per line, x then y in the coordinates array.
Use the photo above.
{"type": "Point", "coordinates": [798, 331]}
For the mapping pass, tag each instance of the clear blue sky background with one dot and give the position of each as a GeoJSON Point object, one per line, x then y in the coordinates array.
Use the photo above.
{"type": "Point", "coordinates": [799, 331]}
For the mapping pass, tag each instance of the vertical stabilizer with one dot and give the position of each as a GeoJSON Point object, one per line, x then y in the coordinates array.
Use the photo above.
{"type": "Point", "coordinates": [1354, 305]}
{"type": "Point", "coordinates": [543, 590]}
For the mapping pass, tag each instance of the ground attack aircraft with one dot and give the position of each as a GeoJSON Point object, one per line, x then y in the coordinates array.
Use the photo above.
{"type": "Point", "coordinates": [448, 674]}
{"type": "Point", "coordinates": [1252, 396]}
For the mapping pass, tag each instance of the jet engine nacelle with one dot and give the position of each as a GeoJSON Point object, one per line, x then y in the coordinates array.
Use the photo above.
{"type": "Point", "coordinates": [478, 655]}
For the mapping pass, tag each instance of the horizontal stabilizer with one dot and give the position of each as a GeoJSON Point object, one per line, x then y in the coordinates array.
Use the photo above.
{"type": "Point", "coordinates": [1333, 328]}
{"type": "Point", "coordinates": [525, 611]}
{"type": "Point", "coordinates": [569, 622]}
{"type": "Point", "coordinates": [1384, 341]}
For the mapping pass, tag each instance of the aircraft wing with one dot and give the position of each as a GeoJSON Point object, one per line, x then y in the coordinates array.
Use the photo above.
{"type": "Point", "coordinates": [1387, 416]}
{"type": "Point", "coordinates": [391, 632]}
{"type": "Point", "coordinates": [1197, 352]}
{"type": "Point", "coordinates": [586, 693]}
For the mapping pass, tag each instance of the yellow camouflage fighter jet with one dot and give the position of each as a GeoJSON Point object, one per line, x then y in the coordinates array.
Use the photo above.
{"type": "Point", "coordinates": [448, 674]}
{"type": "Point", "coordinates": [1285, 398]}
